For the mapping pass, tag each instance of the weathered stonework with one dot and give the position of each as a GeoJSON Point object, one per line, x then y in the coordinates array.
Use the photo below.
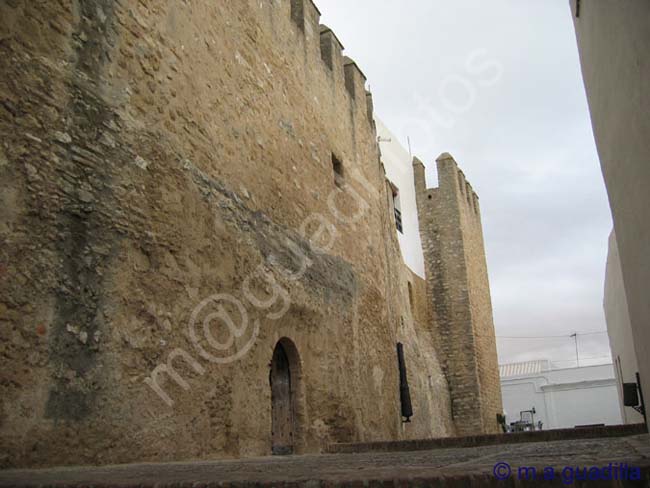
{"type": "Point", "coordinates": [168, 163]}
{"type": "Point", "coordinates": [459, 293]}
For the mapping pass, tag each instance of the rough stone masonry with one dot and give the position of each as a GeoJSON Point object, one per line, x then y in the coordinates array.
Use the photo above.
{"type": "Point", "coordinates": [187, 188]}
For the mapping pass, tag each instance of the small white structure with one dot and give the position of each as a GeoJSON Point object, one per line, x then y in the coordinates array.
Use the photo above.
{"type": "Point", "coordinates": [398, 164]}
{"type": "Point", "coordinates": [562, 398]}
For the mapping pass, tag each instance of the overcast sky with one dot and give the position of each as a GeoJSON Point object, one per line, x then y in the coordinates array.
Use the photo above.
{"type": "Point", "coordinates": [497, 84]}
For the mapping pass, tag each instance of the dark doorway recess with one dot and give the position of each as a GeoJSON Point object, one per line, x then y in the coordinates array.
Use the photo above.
{"type": "Point", "coordinates": [284, 384]}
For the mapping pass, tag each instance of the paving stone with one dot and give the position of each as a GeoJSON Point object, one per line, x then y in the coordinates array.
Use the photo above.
{"type": "Point", "coordinates": [446, 467]}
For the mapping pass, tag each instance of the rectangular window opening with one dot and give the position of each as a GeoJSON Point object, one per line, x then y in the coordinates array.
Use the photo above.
{"type": "Point", "coordinates": [337, 166]}
{"type": "Point", "coordinates": [397, 208]}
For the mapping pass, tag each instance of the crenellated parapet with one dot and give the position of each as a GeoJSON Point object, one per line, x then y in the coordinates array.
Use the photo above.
{"type": "Point", "coordinates": [453, 182]}
{"type": "Point", "coordinates": [321, 40]}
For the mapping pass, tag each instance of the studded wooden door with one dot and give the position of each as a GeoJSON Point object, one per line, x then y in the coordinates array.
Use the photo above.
{"type": "Point", "coordinates": [282, 403]}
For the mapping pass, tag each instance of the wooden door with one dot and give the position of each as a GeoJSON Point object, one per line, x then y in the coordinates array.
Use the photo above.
{"type": "Point", "coordinates": [282, 403]}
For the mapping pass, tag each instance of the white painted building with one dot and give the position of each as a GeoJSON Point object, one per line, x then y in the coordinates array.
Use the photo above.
{"type": "Point", "coordinates": [619, 329]}
{"type": "Point", "coordinates": [398, 164]}
{"type": "Point", "coordinates": [562, 398]}
{"type": "Point", "coordinates": [614, 47]}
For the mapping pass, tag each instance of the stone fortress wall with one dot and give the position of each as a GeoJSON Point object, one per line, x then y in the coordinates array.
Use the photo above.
{"type": "Point", "coordinates": [170, 164]}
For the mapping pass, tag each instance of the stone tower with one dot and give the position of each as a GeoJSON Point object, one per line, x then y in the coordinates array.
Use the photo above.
{"type": "Point", "coordinates": [459, 294]}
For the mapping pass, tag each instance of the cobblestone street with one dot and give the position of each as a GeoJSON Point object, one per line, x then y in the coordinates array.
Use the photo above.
{"type": "Point", "coordinates": [440, 467]}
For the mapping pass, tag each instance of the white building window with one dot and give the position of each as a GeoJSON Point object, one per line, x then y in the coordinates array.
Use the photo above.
{"type": "Point", "coordinates": [397, 208]}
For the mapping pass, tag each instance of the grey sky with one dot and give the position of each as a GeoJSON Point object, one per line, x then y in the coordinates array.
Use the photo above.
{"type": "Point", "coordinates": [497, 84]}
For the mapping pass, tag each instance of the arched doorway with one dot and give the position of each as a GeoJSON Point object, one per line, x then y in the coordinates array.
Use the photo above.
{"type": "Point", "coordinates": [284, 379]}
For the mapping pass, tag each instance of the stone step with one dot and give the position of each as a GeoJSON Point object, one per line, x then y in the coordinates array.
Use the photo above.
{"type": "Point", "coordinates": [591, 432]}
{"type": "Point", "coordinates": [442, 467]}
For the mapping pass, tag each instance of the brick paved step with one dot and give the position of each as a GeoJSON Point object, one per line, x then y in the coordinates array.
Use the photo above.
{"type": "Point", "coordinates": [492, 439]}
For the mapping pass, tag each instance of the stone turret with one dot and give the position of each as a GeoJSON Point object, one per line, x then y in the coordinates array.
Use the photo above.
{"type": "Point", "coordinates": [459, 295]}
